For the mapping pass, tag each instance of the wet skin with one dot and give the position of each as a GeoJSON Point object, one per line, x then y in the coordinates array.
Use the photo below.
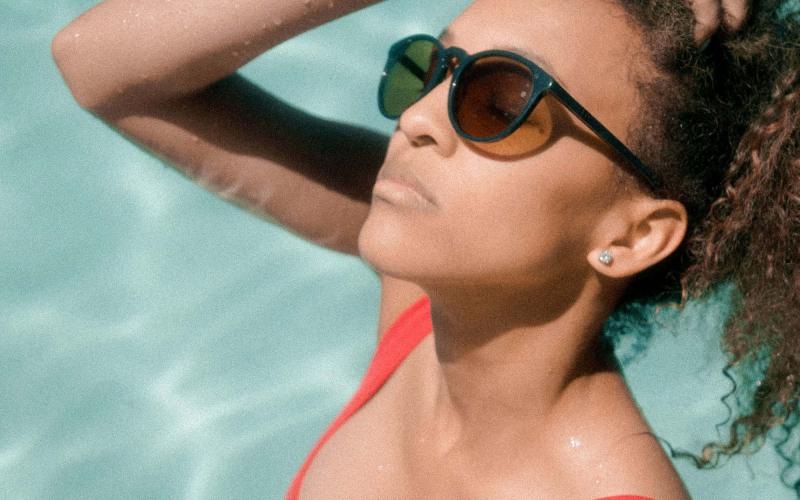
{"type": "Point", "coordinates": [511, 393]}
{"type": "Point", "coordinates": [510, 397]}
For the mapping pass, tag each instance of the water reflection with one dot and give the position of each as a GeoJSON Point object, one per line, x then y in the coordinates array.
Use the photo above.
{"type": "Point", "coordinates": [156, 342]}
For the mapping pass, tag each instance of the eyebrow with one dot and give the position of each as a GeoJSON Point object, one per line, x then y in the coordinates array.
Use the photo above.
{"type": "Point", "coordinates": [446, 37]}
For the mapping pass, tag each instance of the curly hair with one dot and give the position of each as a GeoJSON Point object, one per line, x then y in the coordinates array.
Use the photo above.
{"type": "Point", "coordinates": [721, 125]}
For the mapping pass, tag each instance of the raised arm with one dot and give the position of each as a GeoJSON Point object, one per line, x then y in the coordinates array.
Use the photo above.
{"type": "Point", "coordinates": [163, 74]}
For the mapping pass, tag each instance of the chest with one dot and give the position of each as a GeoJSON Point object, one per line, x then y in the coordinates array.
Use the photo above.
{"type": "Point", "coordinates": [382, 452]}
{"type": "Point", "coordinates": [364, 458]}
{"type": "Point", "coordinates": [369, 459]}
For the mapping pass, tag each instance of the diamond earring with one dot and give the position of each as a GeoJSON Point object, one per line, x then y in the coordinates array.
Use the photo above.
{"type": "Point", "coordinates": [606, 257]}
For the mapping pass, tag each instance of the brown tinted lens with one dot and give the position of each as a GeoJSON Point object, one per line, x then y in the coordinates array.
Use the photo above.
{"type": "Point", "coordinates": [532, 134]}
{"type": "Point", "coordinates": [491, 94]}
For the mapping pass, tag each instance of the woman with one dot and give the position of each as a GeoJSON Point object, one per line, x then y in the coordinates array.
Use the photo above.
{"type": "Point", "coordinates": [522, 227]}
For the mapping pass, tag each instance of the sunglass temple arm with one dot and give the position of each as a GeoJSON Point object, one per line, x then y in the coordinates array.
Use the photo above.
{"type": "Point", "coordinates": [605, 134]}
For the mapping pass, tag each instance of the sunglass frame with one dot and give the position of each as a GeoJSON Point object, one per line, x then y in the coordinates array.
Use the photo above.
{"type": "Point", "coordinates": [459, 60]}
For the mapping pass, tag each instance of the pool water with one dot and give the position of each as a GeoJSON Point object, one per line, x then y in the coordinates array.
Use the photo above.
{"type": "Point", "coordinates": [157, 342]}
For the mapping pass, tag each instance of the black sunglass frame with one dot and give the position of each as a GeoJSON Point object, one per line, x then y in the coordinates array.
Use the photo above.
{"type": "Point", "coordinates": [459, 60]}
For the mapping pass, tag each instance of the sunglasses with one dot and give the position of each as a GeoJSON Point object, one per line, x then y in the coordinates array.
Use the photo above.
{"type": "Point", "coordinates": [495, 100]}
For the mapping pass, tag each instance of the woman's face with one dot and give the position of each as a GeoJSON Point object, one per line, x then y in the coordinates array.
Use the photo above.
{"type": "Point", "coordinates": [522, 220]}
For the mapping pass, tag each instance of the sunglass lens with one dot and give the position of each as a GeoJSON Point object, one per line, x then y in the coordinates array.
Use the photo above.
{"type": "Point", "coordinates": [491, 95]}
{"type": "Point", "coordinates": [410, 69]}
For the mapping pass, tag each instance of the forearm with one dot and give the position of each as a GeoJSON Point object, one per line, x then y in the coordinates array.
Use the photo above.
{"type": "Point", "coordinates": [149, 50]}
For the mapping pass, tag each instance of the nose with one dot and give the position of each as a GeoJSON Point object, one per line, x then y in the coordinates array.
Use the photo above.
{"type": "Point", "coordinates": [426, 122]}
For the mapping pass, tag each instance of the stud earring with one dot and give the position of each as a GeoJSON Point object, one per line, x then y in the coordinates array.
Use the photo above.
{"type": "Point", "coordinates": [606, 257]}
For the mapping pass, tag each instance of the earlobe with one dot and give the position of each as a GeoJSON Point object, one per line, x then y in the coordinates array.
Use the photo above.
{"type": "Point", "coordinates": [611, 261]}
{"type": "Point", "coordinates": [657, 228]}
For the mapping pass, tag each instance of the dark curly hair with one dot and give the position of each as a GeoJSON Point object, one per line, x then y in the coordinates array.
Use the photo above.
{"type": "Point", "coordinates": [721, 125]}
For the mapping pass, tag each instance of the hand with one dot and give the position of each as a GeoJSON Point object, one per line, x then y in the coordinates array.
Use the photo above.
{"type": "Point", "coordinates": [711, 15]}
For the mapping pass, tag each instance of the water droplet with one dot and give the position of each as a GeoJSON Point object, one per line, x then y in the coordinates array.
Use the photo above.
{"type": "Point", "coordinates": [77, 35]}
{"type": "Point", "coordinates": [574, 442]}
{"type": "Point", "coordinates": [277, 21]}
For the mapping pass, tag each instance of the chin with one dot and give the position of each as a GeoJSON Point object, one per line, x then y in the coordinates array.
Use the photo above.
{"type": "Point", "coordinates": [400, 249]}
{"type": "Point", "coordinates": [383, 247]}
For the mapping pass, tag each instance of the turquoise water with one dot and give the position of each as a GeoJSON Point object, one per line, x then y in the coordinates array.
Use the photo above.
{"type": "Point", "coordinates": [156, 342]}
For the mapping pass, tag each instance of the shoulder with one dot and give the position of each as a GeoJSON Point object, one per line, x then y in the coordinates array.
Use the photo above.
{"type": "Point", "coordinates": [604, 442]}
{"type": "Point", "coordinates": [637, 464]}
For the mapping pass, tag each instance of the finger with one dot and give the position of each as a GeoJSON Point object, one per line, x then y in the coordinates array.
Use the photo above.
{"type": "Point", "coordinates": [707, 16]}
{"type": "Point", "coordinates": [734, 13]}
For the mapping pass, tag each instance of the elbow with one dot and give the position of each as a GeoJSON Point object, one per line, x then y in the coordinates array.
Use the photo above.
{"type": "Point", "coordinates": [75, 68]}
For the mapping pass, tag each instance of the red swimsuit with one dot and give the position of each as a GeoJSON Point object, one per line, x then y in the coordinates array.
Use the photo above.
{"type": "Point", "coordinates": [413, 325]}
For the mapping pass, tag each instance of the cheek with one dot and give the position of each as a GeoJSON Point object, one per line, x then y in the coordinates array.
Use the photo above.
{"type": "Point", "coordinates": [518, 229]}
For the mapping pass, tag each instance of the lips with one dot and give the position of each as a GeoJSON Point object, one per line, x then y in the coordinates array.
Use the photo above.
{"type": "Point", "coordinates": [403, 187]}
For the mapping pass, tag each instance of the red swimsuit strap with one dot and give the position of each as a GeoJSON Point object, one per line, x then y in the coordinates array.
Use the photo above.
{"type": "Point", "coordinates": [408, 330]}
{"type": "Point", "coordinates": [625, 497]}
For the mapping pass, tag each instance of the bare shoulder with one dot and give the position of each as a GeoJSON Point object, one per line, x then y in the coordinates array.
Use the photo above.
{"type": "Point", "coordinates": [638, 465]}
{"type": "Point", "coordinates": [605, 442]}
{"type": "Point", "coordinates": [396, 296]}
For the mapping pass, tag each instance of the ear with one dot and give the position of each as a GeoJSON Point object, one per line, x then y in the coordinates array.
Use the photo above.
{"type": "Point", "coordinates": [647, 231]}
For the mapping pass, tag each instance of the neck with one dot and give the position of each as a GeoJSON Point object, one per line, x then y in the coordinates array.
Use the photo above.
{"type": "Point", "coordinates": [506, 356]}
